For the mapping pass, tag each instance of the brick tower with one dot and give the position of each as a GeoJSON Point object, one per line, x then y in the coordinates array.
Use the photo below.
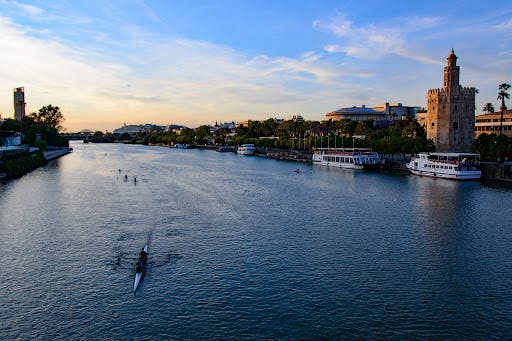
{"type": "Point", "coordinates": [450, 118]}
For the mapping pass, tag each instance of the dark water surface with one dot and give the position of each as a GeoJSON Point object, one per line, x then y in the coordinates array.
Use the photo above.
{"type": "Point", "coordinates": [245, 248]}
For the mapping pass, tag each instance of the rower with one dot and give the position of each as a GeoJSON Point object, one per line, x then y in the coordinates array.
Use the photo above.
{"type": "Point", "coordinates": [143, 254]}
{"type": "Point", "coordinates": [139, 267]}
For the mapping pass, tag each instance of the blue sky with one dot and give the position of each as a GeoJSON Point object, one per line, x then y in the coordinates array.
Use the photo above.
{"type": "Point", "coordinates": [106, 63]}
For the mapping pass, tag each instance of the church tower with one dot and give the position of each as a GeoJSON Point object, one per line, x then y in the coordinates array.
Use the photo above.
{"type": "Point", "coordinates": [450, 115]}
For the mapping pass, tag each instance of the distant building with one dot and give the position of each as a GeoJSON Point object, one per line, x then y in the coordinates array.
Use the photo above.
{"type": "Point", "coordinates": [397, 111]}
{"type": "Point", "coordinates": [244, 124]}
{"type": "Point", "coordinates": [227, 129]}
{"type": "Point", "coordinates": [19, 103]}
{"type": "Point", "coordinates": [295, 118]}
{"type": "Point", "coordinates": [421, 117]}
{"type": "Point", "coordinates": [10, 139]}
{"type": "Point", "coordinates": [450, 118]}
{"type": "Point", "coordinates": [356, 114]}
{"type": "Point", "coordinates": [490, 123]}
{"type": "Point", "coordinates": [383, 112]}
{"type": "Point", "coordinates": [133, 129]}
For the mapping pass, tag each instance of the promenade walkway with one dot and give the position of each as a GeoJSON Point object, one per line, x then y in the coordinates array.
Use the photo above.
{"type": "Point", "coordinates": [56, 153]}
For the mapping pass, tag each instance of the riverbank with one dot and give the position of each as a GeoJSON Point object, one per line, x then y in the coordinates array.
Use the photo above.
{"type": "Point", "coordinates": [496, 171]}
{"type": "Point", "coordinates": [53, 154]}
{"type": "Point", "coordinates": [18, 164]}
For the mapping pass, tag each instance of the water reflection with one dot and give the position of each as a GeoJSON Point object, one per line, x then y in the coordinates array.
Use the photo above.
{"type": "Point", "coordinates": [240, 243]}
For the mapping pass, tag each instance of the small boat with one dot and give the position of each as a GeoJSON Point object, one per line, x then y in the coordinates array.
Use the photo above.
{"type": "Point", "coordinates": [225, 149]}
{"type": "Point", "coordinates": [140, 274]}
{"type": "Point", "coordinates": [182, 146]}
{"type": "Point", "coordinates": [457, 166]}
{"type": "Point", "coordinates": [246, 149]}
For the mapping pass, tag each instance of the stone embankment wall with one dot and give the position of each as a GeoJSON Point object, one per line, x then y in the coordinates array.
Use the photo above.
{"type": "Point", "coordinates": [496, 171]}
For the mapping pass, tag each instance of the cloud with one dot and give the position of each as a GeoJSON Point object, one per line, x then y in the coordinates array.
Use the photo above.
{"type": "Point", "coordinates": [370, 42]}
{"type": "Point", "coordinates": [147, 78]}
{"type": "Point", "coordinates": [29, 10]}
{"type": "Point", "coordinates": [373, 41]}
{"type": "Point", "coordinates": [506, 26]}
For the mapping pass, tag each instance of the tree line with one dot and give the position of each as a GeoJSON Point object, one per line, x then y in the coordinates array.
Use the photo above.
{"type": "Point", "coordinates": [403, 136]}
{"type": "Point", "coordinates": [495, 147]}
{"type": "Point", "coordinates": [41, 128]}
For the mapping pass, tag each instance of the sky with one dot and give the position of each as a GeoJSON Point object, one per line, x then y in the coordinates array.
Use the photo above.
{"type": "Point", "coordinates": [107, 63]}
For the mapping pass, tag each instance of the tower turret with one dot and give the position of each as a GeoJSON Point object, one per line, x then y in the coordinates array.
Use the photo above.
{"type": "Point", "coordinates": [450, 115]}
{"type": "Point", "coordinates": [451, 73]}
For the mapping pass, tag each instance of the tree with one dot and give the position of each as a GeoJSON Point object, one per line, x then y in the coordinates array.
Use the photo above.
{"type": "Point", "coordinates": [50, 117]}
{"type": "Point", "coordinates": [45, 124]}
{"type": "Point", "coordinates": [202, 132]}
{"type": "Point", "coordinates": [488, 108]}
{"type": "Point", "coordinates": [501, 96]}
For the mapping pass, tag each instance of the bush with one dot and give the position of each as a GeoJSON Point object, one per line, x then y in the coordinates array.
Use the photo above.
{"type": "Point", "coordinates": [17, 167]}
{"type": "Point", "coordinates": [42, 145]}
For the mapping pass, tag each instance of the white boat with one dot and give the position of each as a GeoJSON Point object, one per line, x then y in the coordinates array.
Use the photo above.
{"type": "Point", "coordinates": [139, 275]}
{"type": "Point", "coordinates": [458, 166]}
{"type": "Point", "coordinates": [182, 146]}
{"type": "Point", "coordinates": [246, 149]}
{"type": "Point", "coordinates": [353, 158]}
{"type": "Point", "coordinates": [224, 149]}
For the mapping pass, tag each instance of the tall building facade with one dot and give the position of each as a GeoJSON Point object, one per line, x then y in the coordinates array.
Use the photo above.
{"type": "Point", "coordinates": [19, 103]}
{"type": "Point", "coordinates": [450, 118]}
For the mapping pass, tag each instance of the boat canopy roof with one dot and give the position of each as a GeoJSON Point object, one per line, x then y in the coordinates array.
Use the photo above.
{"type": "Point", "coordinates": [345, 149]}
{"type": "Point", "coordinates": [450, 154]}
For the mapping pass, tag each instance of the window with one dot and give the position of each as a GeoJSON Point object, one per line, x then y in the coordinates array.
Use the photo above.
{"type": "Point", "coordinates": [455, 125]}
{"type": "Point", "coordinates": [433, 124]}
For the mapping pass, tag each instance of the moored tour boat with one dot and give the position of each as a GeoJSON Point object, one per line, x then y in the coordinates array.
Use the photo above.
{"type": "Point", "coordinates": [246, 149]}
{"type": "Point", "coordinates": [353, 158]}
{"type": "Point", "coordinates": [225, 149]}
{"type": "Point", "coordinates": [458, 166]}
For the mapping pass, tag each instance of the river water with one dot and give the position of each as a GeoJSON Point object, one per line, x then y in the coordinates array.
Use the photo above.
{"type": "Point", "coordinates": [246, 248]}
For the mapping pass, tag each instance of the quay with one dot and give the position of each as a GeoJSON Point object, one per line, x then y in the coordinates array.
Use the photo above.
{"type": "Point", "coordinates": [496, 171]}
{"type": "Point", "coordinates": [53, 154]}
{"type": "Point", "coordinates": [19, 161]}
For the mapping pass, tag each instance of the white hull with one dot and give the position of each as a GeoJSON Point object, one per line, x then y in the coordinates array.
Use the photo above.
{"type": "Point", "coordinates": [471, 175]}
{"type": "Point", "coordinates": [454, 166]}
{"type": "Point", "coordinates": [338, 164]}
{"type": "Point", "coordinates": [246, 149]}
{"type": "Point", "coordinates": [350, 158]}
{"type": "Point", "coordinates": [245, 152]}
{"type": "Point", "coordinates": [138, 277]}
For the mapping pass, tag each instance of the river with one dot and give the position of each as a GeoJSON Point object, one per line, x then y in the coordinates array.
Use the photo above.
{"type": "Point", "coordinates": [247, 248]}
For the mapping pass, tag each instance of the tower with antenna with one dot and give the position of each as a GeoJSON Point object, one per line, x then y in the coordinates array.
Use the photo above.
{"type": "Point", "coordinates": [19, 103]}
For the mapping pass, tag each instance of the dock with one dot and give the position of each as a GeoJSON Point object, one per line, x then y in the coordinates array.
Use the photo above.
{"type": "Point", "coordinates": [56, 153]}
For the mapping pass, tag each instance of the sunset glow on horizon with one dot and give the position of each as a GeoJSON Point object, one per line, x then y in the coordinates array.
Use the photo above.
{"type": "Point", "coordinates": [106, 63]}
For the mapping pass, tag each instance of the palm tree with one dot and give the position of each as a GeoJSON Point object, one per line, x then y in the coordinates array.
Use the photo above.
{"type": "Point", "coordinates": [488, 108]}
{"type": "Point", "coordinates": [501, 96]}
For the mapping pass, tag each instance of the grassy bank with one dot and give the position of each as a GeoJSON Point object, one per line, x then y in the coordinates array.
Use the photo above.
{"type": "Point", "coordinates": [21, 164]}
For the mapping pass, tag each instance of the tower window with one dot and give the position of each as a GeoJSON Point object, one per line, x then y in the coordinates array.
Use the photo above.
{"type": "Point", "coordinates": [433, 124]}
{"type": "Point", "coordinates": [455, 125]}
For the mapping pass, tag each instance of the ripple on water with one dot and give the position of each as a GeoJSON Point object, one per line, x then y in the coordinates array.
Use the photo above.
{"type": "Point", "coordinates": [245, 248]}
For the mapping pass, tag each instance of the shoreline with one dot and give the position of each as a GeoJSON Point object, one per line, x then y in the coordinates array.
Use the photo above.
{"type": "Point", "coordinates": [28, 162]}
